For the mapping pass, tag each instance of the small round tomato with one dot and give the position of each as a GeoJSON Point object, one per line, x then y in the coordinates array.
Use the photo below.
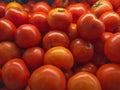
{"type": "Point", "coordinates": [39, 19]}
{"type": "Point", "coordinates": [33, 57]}
{"type": "Point", "coordinates": [101, 6]}
{"type": "Point", "coordinates": [15, 74]}
{"type": "Point", "coordinates": [60, 57]}
{"type": "Point", "coordinates": [27, 35]}
{"type": "Point", "coordinates": [77, 10]}
{"type": "Point", "coordinates": [7, 29]}
{"type": "Point", "coordinates": [2, 9]}
{"type": "Point", "coordinates": [8, 50]}
{"type": "Point", "coordinates": [112, 48]}
{"type": "Point", "coordinates": [82, 50]}
{"type": "Point", "coordinates": [83, 81]}
{"type": "Point", "coordinates": [111, 20]}
{"type": "Point", "coordinates": [41, 7]}
{"type": "Point", "coordinates": [27, 8]}
{"type": "Point", "coordinates": [109, 76]}
{"type": "Point", "coordinates": [47, 77]}
{"type": "Point", "coordinates": [59, 19]}
{"type": "Point", "coordinates": [115, 3]}
{"type": "Point", "coordinates": [55, 38]}
{"type": "Point", "coordinates": [31, 3]}
{"type": "Point", "coordinates": [89, 27]}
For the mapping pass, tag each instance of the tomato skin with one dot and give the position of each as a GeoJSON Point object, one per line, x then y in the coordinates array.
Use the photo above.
{"type": "Point", "coordinates": [60, 57]}
{"type": "Point", "coordinates": [15, 74]}
{"type": "Point", "coordinates": [111, 20]}
{"type": "Point", "coordinates": [2, 9]}
{"type": "Point", "coordinates": [27, 35]}
{"type": "Point", "coordinates": [112, 48]}
{"type": "Point", "coordinates": [47, 77]}
{"type": "Point", "coordinates": [8, 50]}
{"type": "Point", "coordinates": [115, 3]}
{"type": "Point", "coordinates": [7, 29]}
{"type": "Point", "coordinates": [33, 57]}
{"type": "Point", "coordinates": [59, 19]}
{"type": "Point", "coordinates": [55, 38]}
{"type": "Point", "coordinates": [77, 10]}
{"type": "Point", "coordinates": [108, 75]}
{"type": "Point", "coordinates": [90, 30]}
{"type": "Point", "coordinates": [83, 81]}
{"type": "Point", "coordinates": [82, 50]}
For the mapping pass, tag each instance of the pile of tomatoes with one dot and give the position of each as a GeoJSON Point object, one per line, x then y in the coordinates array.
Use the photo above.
{"type": "Point", "coordinates": [65, 45]}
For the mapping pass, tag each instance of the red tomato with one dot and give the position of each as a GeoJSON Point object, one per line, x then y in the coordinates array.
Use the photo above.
{"type": "Point", "coordinates": [17, 16]}
{"type": "Point", "coordinates": [15, 74]}
{"type": "Point", "coordinates": [27, 35]}
{"type": "Point", "coordinates": [47, 77]}
{"type": "Point", "coordinates": [31, 3]}
{"type": "Point", "coordinates": [91, 2]}
{"type": "Point", "coordinates": [27, 7]}
{"type": "Point", "coordinates": [7, 29]}
{"type": "Point", "coordinates": [109, 76]}
{"type": "Point", "coordinates": [39, 19]}
{"type": "Point", "coordinates": [82, 50]}
{"type": "Point", "coordinates": [83, 81]}
{"type": "Point", "coordinates": [55, 38]}
{"type": "Point", "coordinates": [77, 10]}
{"type": "Point", "coordinates": [101, 6]}
{"type": "Point", "coordinates": [41, 7]}
{"type": "Point", "coordinates": [59, 19]}
{"type": "Point", "coordinates": [112, 48]}
{"type": "Point", "coordinates": [111, 20]}
{"type": "Point", "coordinates": [2, 9]}
{"type": "Point", "coordinates": [89, 27]}
{"type": "Point", "coordinates": [8, 50]}
{"type": "Point", "coordinates": [60, 57]}
{"type": "Point", "coordinates": [115, 3]}
{"type": "Point", "coordinates": [33, 57]}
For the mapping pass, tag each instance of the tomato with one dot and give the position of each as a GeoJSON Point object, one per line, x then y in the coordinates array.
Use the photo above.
{"type": "Point", "coordinates": [115, 3]}
{"type": "Point", "coordinates": [91, 2]}
{"type": "Point", "coordinates": [83, 81]}
{"type": "Point", "coordinates": [111, 20]}
{"type": "Point", "coordinates": [17, 16]}
{"type": "Point", "coordinates": [33, 57]}
{"type": "Point", "coordinates": [15, 74]}
{"type": "Point", "coordinates": [2, 9]}
{"type": "Point", "coordinates": [27, 7]}
{"type": "Point", "coordinates": [77, 10]}
{"type": "Point", "coordinates": [8, 50]}
{"type": "Point", "coordinates": [27, 35]}
{"type": "Point", "coordinates": [112, 48]}
{"type": "Point", "coordinates": [109, 76]}
{"type": "Point", "coordinates": [55, 38]}
{"type": "Point", "coordinates": [7, 29]}
{"type": "Point", "coordinates": [89, 27]}
{"type": "Point", "coordinates": [39, 19]}
{"type": "Point", "coordinates": [101, 6]}
{"type": "Point", "coordinates": [31, 3]}
{"type": "Point", "coordinates": [82, 50]}
{"type": "Point", "coordinates": [41, 7]}
{"type": "Point", "coordinates": [47, 77]}
{"type": "Point", "coordinates": [60, 57]}
{"type": "Point", "coordinates": [59, 18]}
{"type": "Point", "coordinates": [27, 88]}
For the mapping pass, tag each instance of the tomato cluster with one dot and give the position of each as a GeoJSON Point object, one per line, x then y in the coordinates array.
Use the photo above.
{"type": "Point", "coordinates": [62, 45]}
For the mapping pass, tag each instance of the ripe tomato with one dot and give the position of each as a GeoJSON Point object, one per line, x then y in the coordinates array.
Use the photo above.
{"type": "Point", "coordinates": [39, 19]}
{"type": "Point", "coordinates": [82, 50]}
{"type": "Point", "coordinates": [111, 20]}
{"type": "Point", "coordinates": [55, 38]}
{"type": "Point", "coordinates": [2, 9]}
{"type": "Point", "coordinates": [8, 50]}
{"type": "Point", "coordinates": [109, 76]}
{"type": "Point", "coordinates": [77, 10]}
{"type": "Point", "coordinates": [60, 57]}
{"type": "Point", "coordinates": [112, 48]}
{"type": "Point", "coordinates": [41, 7]}
{"type": "Point", "coordinates": [7, 29]}
{"type": "Point", "coordinates": [89, 27]}
{"type": "Point", "coordinates": [27, 35]}
{"type": "Point", "coordinates": [83, 81]}
{"type": "Point", "coordinates": [15, 74]}
{"type": "Point", "coordinates": [91, 2]}
{"type": "Point", "coordinates": [59, 19]}
{"type": "Point", "coordinates": [115, 3]}
{"type": "Point", "coordinates": [17, 16]}
{"type": "Point", "coordinates": [47, 77]}
{"type": "Point", "coordinates": [101, 6]}
{"type": "Point", "coordinates": [33, 57]}
{"type": "Point", "coordinates": [27, 7]}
